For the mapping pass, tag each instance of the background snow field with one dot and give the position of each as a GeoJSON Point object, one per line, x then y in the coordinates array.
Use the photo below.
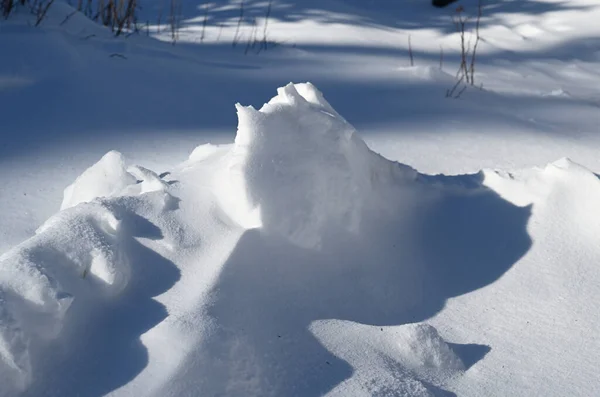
{"type": "Point", "coordinates": [360, 234]}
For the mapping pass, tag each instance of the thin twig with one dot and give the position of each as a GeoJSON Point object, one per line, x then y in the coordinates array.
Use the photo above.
{"type": "Point", "coordinates": [239, 24]}
{"type": "Point", "coordinates": [204, 22]}
{"type": "Point", "coordinates": [264, 42]}
{"type": "Point", "coordinates": [67, 18]}
{"type": "Point", "coordinates": [410, 53]}
{"type": "Point", "coordinates": [450, 92]}
{"type": "Point", "coordinates": [477, 37]}
{"type": "Point", "coordinates": [42, 12]}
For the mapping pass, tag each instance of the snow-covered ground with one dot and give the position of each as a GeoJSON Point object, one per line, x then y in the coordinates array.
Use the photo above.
{"type": "Point", "coordinates": [359, 235]}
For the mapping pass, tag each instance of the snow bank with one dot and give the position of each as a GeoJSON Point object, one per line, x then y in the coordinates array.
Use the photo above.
{"type": "Point", "coordinates": [298, 169]}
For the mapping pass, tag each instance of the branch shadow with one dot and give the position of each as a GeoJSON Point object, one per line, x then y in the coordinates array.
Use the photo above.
{"type": "Point", "coordinates": [407, 14]}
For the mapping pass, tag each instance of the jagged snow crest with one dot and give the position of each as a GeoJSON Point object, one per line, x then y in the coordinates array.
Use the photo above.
{"type": "Point", "coordinates": [298, 143]}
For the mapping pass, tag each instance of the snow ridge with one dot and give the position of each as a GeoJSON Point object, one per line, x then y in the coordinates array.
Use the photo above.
{"type": "Point", "coordinates": [298, 143]}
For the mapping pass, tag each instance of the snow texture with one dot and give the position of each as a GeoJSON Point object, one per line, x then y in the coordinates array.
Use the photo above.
{"type": "Point", "coordinates": [343, 252]}
{"type": "Point", "coordinates": [297, 152]}
{"type": "Point", "coordinates": [297, 261]}
{"type": "Point", "coordinates": [312, 225]}
{"type": "Point", "coordinates": [80, 253]}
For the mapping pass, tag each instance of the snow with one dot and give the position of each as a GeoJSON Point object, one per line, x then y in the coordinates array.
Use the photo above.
{"type": "Point", "coordinates": [107, 178]}
{"type": "Point", "coordinates": [361, 234]}
{"type": "Point", "coordinates": [372, 238]}
{"type": "Point", "coordinates": [409, 359]}
{"type": "Point", "coordinates": [297, 152]}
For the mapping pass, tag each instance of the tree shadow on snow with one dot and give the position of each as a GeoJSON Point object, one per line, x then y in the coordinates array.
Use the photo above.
{"type": "Point", "coordinates": [406, 14]}
{"type": "Point", "coordinates": [100, 348]}
{"type": "Point", "coordinates": [396, 271]}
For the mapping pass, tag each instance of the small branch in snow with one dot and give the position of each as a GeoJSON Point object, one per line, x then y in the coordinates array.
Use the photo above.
{"type": "Point", "coordinates": [236, 37]}
{"type": "Point", "coordinates": [451, 93]}
{"type": "Point", "coordinates": [67, 18]}
{"type": "Point", "coordinates": [204, 22]}
{"type": "Point", "coordinates": [468, 52]}
{"type": "Point", "coordinates": [477, 37]}
{"type": "Point", "coordinates": [41, 12]}
{"type": "Point", "coordinates": [265, 41]}
{"type": "Point", "coordinates": [410, 52]}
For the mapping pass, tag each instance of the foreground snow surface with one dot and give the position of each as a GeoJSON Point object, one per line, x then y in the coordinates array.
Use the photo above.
{"type": "Point", "coordinates": [298, 262]}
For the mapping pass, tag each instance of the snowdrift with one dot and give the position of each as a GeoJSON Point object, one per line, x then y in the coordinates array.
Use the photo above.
{"type": "Point", "coordinates": [302, 170]}
{"type": "Point", "coordinates": [293, 262]}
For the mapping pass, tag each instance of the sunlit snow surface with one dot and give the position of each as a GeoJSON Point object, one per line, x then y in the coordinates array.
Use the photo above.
{"type": "Point", "coordinates": [296, 261]}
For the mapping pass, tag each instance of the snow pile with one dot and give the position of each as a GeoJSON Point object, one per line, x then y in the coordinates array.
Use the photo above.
{"type": "Point", "coordinates": [110, 177]}
{"type": "Point", "coordinates": [342, 233]}
{"type": "Point", "coordinates": [306, 263]}
{"type": "Point", "coordinates": [80, 253]}
{"type": "Point", "coordinates": [407, 360]}
{"type": "Point", "coordinates": [107, 178]}
{"type": "Point", "coordinates": [76, 252]}
{"type": "Point", "coordinates": [301, 168]}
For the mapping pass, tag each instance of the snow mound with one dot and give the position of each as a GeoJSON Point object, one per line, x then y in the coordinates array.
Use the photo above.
{"type": "Point", "coordinates": [107, 178]}
{"type": "Point", "coordinates": [110, 177]}
{"type": "Point", "coordinates": [307, 261]}
{"type": "Point", "coordinates": [422, 350]}
{"type": "Point", "coordinates": [75, 252]}
{"type": "Point", "coordinates": [425, 73]}
{"type": "Point", "coordinates": [414, 357]}
{"type": "Point", "coordinates": [82, 252]}
{"type": "Point", "coordinates": [202, 152]}
{"type": "Point", "coordinates": [558, 180]}
{"type": "Point", "coordinates": [300, 170]}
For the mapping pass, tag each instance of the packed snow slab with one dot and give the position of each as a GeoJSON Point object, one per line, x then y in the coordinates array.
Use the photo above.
{"type": "Point", "coordinates": [294, 261]}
